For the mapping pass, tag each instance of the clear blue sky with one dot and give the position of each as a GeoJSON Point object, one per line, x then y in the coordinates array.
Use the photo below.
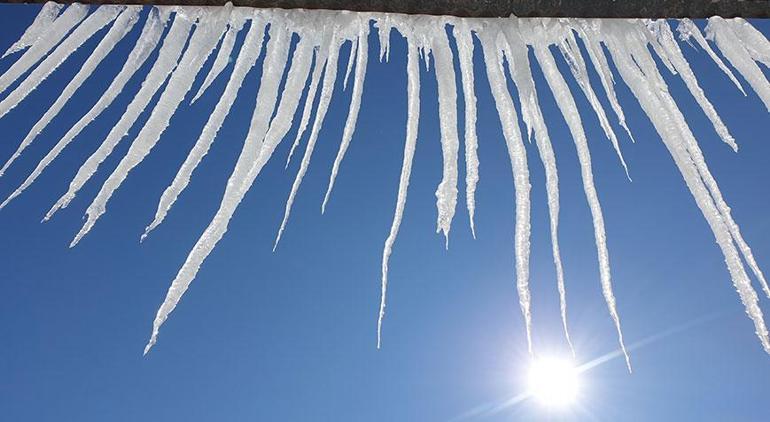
{"type": "Point", "coordinates": [290, 335]}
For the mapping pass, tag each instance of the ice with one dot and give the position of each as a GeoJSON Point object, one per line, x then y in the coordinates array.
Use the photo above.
{"type": "Point", "coordinates": [93, 23]}
{"type": "Point", "coordinates": [508, 119]}
{"type": "Point", "coordinates": [47, 40]}
{"type": "Point", "coordinates": [412, 122]}
{"type": "Point", "coordinates": [123, 24]}
{"type": "Point", "coordinates": [224, 55]}
{"type": "Point", "coordinates": [362, 58]}
{"type": "Point", "coordinates": [247, 58]}
{"type": "Point", "coordinates": [464, 40]}
{"type": "Point", "coordinates": [568, 108]}
{"type": "Point", "coordinates": [169, 54]}
{"type": "Point", "coordinates": [148, 40]}
{"type": "Point", "coordinates": [688, 29]}
{"type": "Point", "coordinates": [241, 178]}
{"type": "Point", "coordinates": [48, 13]}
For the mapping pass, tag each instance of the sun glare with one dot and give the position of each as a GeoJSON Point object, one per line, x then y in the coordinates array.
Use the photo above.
{"type": "Point", "coordinates": [553, 382]}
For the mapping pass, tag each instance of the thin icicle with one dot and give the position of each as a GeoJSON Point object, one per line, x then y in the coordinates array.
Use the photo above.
{"type": "Point", "coordinates": [518, 156]}
{"type": "Point", "coordinates": [412, 123]}
{"type": "Point", "coordinates": [224, 55]}
{"type": "Point", "coordinates": [45, 43]}
{"type": "Point", "coordinates": [530, 108]}
{"type": "Point", "coordinates": [204, 40]}
{"type": "Point", "coordinates": [660, 110]}
{"type": "Point", "coordinates": [464, 38]}
{"type": "Point", "coordinates": [674, 53]}
{"type": "Point", "coordinates": [688, 29]}
{"type": "Point", "coordinates": [119, 29]}
{"type": "Point", "coordinates": [736, 53]}
{"type": "Point", "coordinates": [99, 19]}
{"type": "Point", "coordinates": [169, 54]}
{"type": "Point", "coordinates": [148, 40]}
{"type": "Point", "coordinates": [318, 68]}
{"type": "Point", "coordinates": [351, 57]}
{"type": "Point", "coordinates": [240, 180]}
{"type": "Point", "coordinates": [43, 21]}
{"type": "Point", "coordinates": [568, 108]}
{"type": "Point", "coordinates": [362, 59]}
{"type": "Point", "coordinates": [327, 89]}
{"type": "Point", "coordinates": [446, 193]}
{"type": "Point", "coordinates": [247, 58]}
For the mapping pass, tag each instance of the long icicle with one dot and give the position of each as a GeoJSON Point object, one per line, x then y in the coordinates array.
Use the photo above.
{"type": "Point", "coordinates": [224, 55]}
{"type": "Point", "coordinates": [518, 157]}
{"type": "Point", "coordinates": [148, 40]}
{"type": "Point", "coordinates": [362, 58]}
{"type": "Point", "coordinates": [169, 54]}
{"type": "Point", "coordinates": [569, 110]}
{"type": "Point", "coordinates": [119, 29]}
{"type": "Point", "coordinates": [412, 123]}
{"type": "Point", "coordinates": [247, 58]}
{"type": "Point", "coordinates": [43, 21]}
{"type": "Point", "coordinates": [239, 182]}
{"type": "Point", "coordinates": [688, 29]}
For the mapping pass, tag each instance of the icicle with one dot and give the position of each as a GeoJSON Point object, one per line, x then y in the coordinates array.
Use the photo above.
{"type": "Point", "coordinates": [602, 67]}
{"type": "Point", "coordinates": [362, 59]}
{"type": "Point", "coordinates": [247, 58]}
{"type": "Point", "coordinates": [569, 110]}
{"type": "Point", "coordinates": [43, 21]}
{"type": "Point", "coordinates": [518, 156]}
{"type": "Point", "coordinates": [103, 16]}
{"type": "Point", "coordinates": [446, 193]}
{"type": "Point", "coordinates": [122, 26]}
{"type": "Point", "coordinates": [464, 38]}
{"type": "Point", "coordinates": [522, 76]}
{"type": "Point", "coordinates": [671, 49]}
{"type": "Point", "coordinates": [148, 40]}
{"type": "Point", "coordinates": [412, 122]}
{"type": "Point", "coordinates": [169, 54]}
{"type": "Point", "coordinates": [327, 88]}
{"type": "Point", "coordinates": [203, 41]}
{"type": "Point", "coordinates": [47, 41]}
{"type": "Point", "coordinates": [755, 42]}
{"type": "Point", "coordinates": [734, 51]}
{"type": "Point", "coordinates": [241, 178]}
{"type": "Point", "coordinates": [660, 110]}
{"type": "Point", "coordinates": [688, 29]}
{"type": "Point", "coordinates": [351, 57]}
{"type": "Point", "coordinates": [223, 56]}
{"type": "Point", "coordinates": [320, 64]}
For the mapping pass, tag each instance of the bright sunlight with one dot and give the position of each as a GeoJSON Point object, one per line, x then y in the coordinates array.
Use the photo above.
{"type": "Point", "coordinates": [553, 382]}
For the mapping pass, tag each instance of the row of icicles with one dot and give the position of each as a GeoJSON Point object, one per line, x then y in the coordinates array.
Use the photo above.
{"type": "Point", "coordinates": [187, 36]}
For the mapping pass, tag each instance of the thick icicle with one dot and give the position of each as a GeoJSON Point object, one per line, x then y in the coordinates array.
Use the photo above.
{"type": "Point", "coordinates": [362, 58]}
{"type": "Point", "coordinates": [755, 42]}
{"type": "Point", "coordinates": [661, 110]}
{"type": "Point", "coordinates": [247, 58]}
{"type": "Point", "coordinates": [720, 31]}
{"type": "Point", "coordinates": [96, 21]}
{"type": "Point", "coordinates": [119, 29]}
{"type": "Point", "coordinates": [518, 156]}
{"type": "Point", "coordinates": [530, 108]}
{"type": "Point", "coordinates": [569, 110]}
{"type": "Point", "coordinates": [327, 89]}
{"type": "Point", "coordinates": [688, 29]}
{"type": "Point", "coordinates": [318, 68]}
{"type": "Point", "coordinates": [148, 40]}
{"type": "Point", "coordinates": [240, 180]}
{"type": "Point", "coordinates": [446, 193]}
{"type": "Point", "coordinates": [47, 41]}
{"type": "Point", "coordinates": [412, 122]}
{"type": "Point", "coordinates": [464, 38]}
{"type": "Point", "coordinates": [209, 29]}
{"type": "Point", "coordinates": [169, 54]}
{"type": "Point", "coordinates": [224, 55]}
{"type": "Point", "coordinates": [674, 53]}
{"type": "Point", "coordinates": [43, 21]}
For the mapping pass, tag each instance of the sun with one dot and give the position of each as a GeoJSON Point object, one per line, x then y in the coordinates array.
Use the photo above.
{"type": "Point", "coordinates": [553, 382]}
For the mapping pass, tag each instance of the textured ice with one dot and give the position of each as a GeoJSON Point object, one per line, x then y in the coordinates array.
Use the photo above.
{"type": "Point", "coordinates": [588, 46]}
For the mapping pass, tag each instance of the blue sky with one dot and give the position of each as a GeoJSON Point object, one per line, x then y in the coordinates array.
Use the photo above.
{"type": "Point", "coordinates": [290, 335]}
